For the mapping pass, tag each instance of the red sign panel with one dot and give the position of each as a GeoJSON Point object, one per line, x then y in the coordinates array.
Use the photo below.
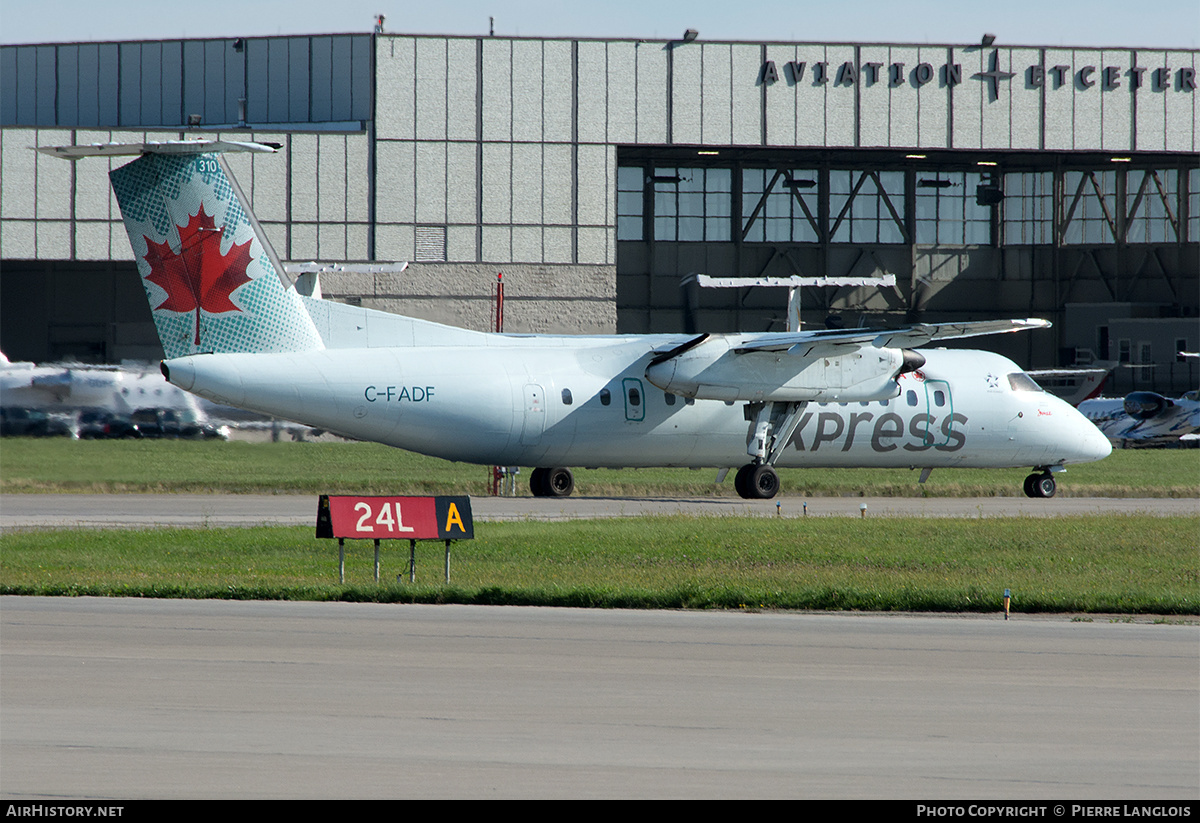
{"type": "Point", "coordinates": [395, 518]}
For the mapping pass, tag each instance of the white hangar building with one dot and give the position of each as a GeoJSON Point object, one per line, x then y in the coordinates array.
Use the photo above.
{"type": "Point", "coordinates": [991, 180]}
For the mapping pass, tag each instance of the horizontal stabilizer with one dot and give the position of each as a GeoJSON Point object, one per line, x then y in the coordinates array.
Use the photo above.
{"type": "Point", "coordinates": [164, 147]}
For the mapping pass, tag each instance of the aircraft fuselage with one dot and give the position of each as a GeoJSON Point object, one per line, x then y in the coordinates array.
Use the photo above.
{"type": "Point", "coordinates": [523, 402]}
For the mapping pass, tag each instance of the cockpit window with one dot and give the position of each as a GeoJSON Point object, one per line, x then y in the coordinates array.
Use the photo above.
{"type": "Point", "coordinates": [1020, 381]}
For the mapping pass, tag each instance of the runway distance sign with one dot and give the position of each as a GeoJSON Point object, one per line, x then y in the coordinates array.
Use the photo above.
{"type": "Point", "coordinates": [394, 518]}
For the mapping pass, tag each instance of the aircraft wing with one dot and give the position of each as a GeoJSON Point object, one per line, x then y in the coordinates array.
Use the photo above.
{"type": "Point", "coordinates": [831, 342]}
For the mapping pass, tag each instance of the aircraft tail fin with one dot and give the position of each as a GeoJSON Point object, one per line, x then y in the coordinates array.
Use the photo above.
{"type": "Point", "coordinates": [213, 280]}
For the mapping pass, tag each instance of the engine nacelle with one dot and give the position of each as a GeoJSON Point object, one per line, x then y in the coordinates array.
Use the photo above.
{"type": "Point", "coordinates": [1143, 405]}
{"type": "Point", "coordinates": [713, 370]}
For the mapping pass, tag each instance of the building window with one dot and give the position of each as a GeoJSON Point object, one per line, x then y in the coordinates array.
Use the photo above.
{"type": "Point", "coordinates": [1090, 211]}
{"type": "Point", "coordinates": [1029, 209]}
{"type": "Point", "coordinates": [948, 211]}
{"type": "Point", "coordinates": [866, 206]}
{"type": "Point", "coordinates": [780, 205]}
{"type": "Point", "coordinates": [630, 211]}
{"type": "Point", "coordinates": [692, 204]}
{"type": "Point", "coordinates": [1193, 198]}
{"type": "Point", "coordinates": [1152, 203]}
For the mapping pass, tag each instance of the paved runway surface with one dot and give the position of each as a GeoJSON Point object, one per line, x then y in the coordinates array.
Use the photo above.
{"type": "Point", "coordinates": [108, 510]}
{"type": "Point", "coordinates": [125, 698]}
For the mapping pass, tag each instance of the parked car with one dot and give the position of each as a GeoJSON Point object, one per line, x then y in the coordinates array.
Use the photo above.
{"type": "Point", "coordinates": [101, 424]}
{"type": "Point", "coordinates": [16, 421]}
{"type": "Point", "coordinates": [174, 424]}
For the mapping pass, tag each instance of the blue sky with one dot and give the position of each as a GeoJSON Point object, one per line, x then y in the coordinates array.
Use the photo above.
{"type": "Point", "coordinates": [1159, 24]}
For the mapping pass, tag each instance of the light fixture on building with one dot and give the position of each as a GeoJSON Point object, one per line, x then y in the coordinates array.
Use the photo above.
{"type": "Point", "coordinates": [194, 119]}
{"type": "Point", "coordinates": [1120, 159]}
{"type": "Point", "coordinates": [986, 163]}
{"type": "Point", "coordinates": [987, 40]}
{"type": "Point", "coordinates": [239, 45]}
{"type": "Point", "coordinates": [690, 35]}
{"type": "Point", "coordinates": [914, 157]}
{"type": "Point", "coordinates": [933, 183]}
{"type": "Point", "coordinates": [666, 179]}
{"type": "Point", "coordinates": [708, 153]}
{"type": "Point", "coordinates": [800, 184]}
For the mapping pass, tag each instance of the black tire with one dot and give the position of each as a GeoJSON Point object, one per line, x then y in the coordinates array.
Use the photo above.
{"type": "Point", "coordinates": [1030, 490]}
{"type": "Point", "coordinates": [559, 482]}
{"type": "Point", "coordinates": [537, 483]}
{"type": "Point", "coordinates": [739, 481]}
{"type": "Point", "coordinates": [1045, 485]}
{"type": "Point", "coordinates": [763, 482]}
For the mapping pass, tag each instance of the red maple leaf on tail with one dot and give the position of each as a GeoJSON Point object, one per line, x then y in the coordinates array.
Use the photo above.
{"type": "Point", "coordinates": [199, 277]}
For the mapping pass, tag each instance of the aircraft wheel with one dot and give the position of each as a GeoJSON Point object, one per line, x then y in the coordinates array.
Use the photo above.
{"type": "Point", "coordinates": [1045, 486]}
{"type": "Point", "coordinates": [756, 482]}
{"type": "Point", "coordinates": [764, 482]}
{"type": "Point", "coordinates": [559, 482]}
{"type": "Point", "coordinates": [740, 484]}
{"type": "Point", "coordinates": [537, 483]}
{"type": "Point", "coordinates": [1040, 485]}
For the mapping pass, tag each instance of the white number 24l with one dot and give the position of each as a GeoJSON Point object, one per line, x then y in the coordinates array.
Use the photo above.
{"type": "Point", "coordinates": [384, 518]}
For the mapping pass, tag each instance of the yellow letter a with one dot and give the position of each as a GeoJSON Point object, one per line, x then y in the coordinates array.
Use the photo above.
{"type": "Point", "coordinates": [452, 516]}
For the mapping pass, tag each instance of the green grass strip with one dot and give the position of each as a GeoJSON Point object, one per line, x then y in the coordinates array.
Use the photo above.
{"type": "Point", "coordinates": [1092, 564]}
{"type": "Point", "coordinates": [31, 465]}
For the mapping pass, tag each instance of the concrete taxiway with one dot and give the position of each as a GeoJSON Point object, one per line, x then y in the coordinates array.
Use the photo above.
{"type": "Point", "coordinates": [148, 510]}
{"type": "Point", "coordinates": [131, 698]}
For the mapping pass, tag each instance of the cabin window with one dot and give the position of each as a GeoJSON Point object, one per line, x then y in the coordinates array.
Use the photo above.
{"type": "Point", "coordinates": [939, 398]}
{"type": "Point", "coordinates": [605, 397]}
{"type": "Point", "coordinates": [566, 395]}
{"type": "Point", "coordinates": [670, 398]}
{"type": "Point", "coordinates": [1020, 381]}
{"type": "Point", "coordinates": [635, 397]}
{"type": "Point", "coordinates": [911, 397]}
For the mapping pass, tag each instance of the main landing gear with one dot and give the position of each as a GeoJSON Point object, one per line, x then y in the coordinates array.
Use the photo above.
{"type": "Point", "coordinates": [756, 481]}
{"type": "Point", "coordinates": [771, 426]}
{"type": "Point", "coordinates": [1040, 485]}
{"type": "Point", "coordinates": [556, 481]}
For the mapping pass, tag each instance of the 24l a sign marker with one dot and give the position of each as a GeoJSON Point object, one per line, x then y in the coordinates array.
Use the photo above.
{"type": "Point", "coordinates": [395, 518]}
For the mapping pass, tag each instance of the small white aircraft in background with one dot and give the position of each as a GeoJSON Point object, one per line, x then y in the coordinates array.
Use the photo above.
{"type": "Point", "coordinates": [1146, 418]}
{"type": "Point", "coordinates": [236, 332]}
{"type": "Point", "coordinates": [67, 387]}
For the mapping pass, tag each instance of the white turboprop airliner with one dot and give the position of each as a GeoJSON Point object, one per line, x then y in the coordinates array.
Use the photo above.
{"type": "Point", "coordinates": [236, 332]}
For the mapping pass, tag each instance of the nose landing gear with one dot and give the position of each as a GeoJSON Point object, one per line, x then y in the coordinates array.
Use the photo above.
{"type": "Point", "coordinates": [1040, 485]}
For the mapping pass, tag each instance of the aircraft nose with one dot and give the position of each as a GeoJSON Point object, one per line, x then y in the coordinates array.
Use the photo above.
{"type": "Point", "coordinates": [1090, 442]}
{"type": "Point", "coordinates": [1098, 443]}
